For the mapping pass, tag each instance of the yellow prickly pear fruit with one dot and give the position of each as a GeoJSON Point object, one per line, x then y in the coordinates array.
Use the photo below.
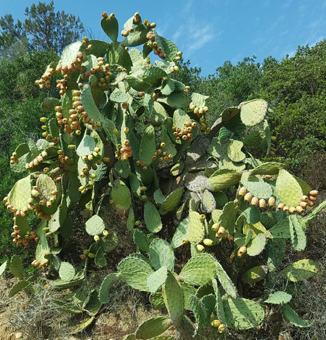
{"type": "Point", "coordinates": [281, 206]}
{"type": "Point", "coordinates": [273, 138]}
{"type": "Point", "coordinates": [185, 241]}
{"type": "Point", "coordinates": [262, 203]}
{"type": "Point", "coordinates": [254, 201]}
{"type": "Point", "coordinates": [304, 198]}
{"type": "Point", "coordinates": [221, 233]}
{"type": "Point", "coordinates": [271, 202]}
{"type": "Point", "coordinates": [215, 227]}
{"type": "Point", "coordinates": [91, 255]}
{"type": "Point", "coordinates": [221, 328]}
{"type": "Point", "coordinates": [248, 197]}
{"type": "Point", "coordinates": [202, 217]}
{"type": "Point", "coordinates": [312, 198]}
{"type": "Point", "coordinates": [216, 323]}
{"type": "Point", "coordinates": [242, 250]}
{"type": "Point", "coordinates": [303, 205]}
{"type": "Point", "coordinates": [313, 192]}
{"type": "Point", "coordinates": [208, 242]}
{"type": "Point", "coordinates": [35, 193]}
{"type": "Point", "coordinates": [292, 210]}
{"type": "Point", "coordinates": [299, 209]}
{"type": "Point", "coordinates": [200, 247]}
{"type": "Point", "coordinates": [286, 208]}
{"type": "Point", "coordinates": [96, 238]}
{"type": "Point", "coordinates": [310, 203]}
{"type": "Point", "coordinates": [242, 191]}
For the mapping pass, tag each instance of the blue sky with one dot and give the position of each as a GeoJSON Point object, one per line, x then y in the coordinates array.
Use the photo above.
{"type": "Point", "coordinates": [209, 32]}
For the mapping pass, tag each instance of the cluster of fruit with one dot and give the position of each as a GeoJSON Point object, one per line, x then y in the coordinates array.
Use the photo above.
{"type": "Point", "coordinates": [124, 152]}
{"type": "Point", "coordinates": [39, 265]}
{"type": "Point", "coordinates": [305, 202]}
{"type": "Point", "coordinates": [186, 133]}
{"type": "Point", "coordinates": [255, 201]}
{"type": "Point", "coordinates": [45, 79]}
{"type": "Point", "coordinates": [18, 240]}
{"type": "Point", "coordinates": [218, 324]}
{"type": "Point", "coordinates": [162, 155]}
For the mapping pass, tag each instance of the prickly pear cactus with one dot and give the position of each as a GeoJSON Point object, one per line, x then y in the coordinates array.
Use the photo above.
{"type": "Point", "coordinates": [128, 139]}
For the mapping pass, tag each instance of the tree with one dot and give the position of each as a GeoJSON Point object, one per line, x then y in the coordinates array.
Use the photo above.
{"type": "Point", "coordinates": [42, 30]}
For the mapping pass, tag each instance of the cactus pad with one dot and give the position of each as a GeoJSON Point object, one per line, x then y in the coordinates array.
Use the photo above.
{"type": "Point", "coordinates": [199, 270]}
{"type": "Point", "coordinates": [234, 151]}
{"type": "Point", "coordinates": [253, 112]}
{"type": "Point", "coordinates": [202, 308]}
{"type": "Point", "coordinates": [300, 270]}
{"type": "Point", "coordinates": [155, 280]}
{"type": "Point", "coordinates": [111, 28]}
{"type": "Point", "coordinates": [293, 317]}
{"type": "Point", "coordinates": [86, 146]}
{"type": "Point", "coordinates": [19, 286]}
{"type": "Point", "coordinates": [229, 215]}
{"type": "Point", "coordinates": [180, 234]}
{"type": "Point", "coordinates": [207, 201]}
{"type": "Point", "coordinates": [141, 240]}
{"type": "Point", "coordinates": [289, 189]}
{"type": "Point", "coordinates": [198, 99]}
{"type": "Point", "coordinates": [153, 327]}
{"type": "Point", "coordinates": [104, 291]}
{"type": "Point", "coordinates": [157, 300]}
{"type": "Point", "coordinates": [134, 272]}
{"type": "Point", "coordinates": [298, 236]}
{"type": "Point", "coordinates": [196, 182]}
{"type": "Point", "coordinates": [196, 230]}
{"type": "Point", "coordinates": [121, 195]}
{"type": "Point", "coordinates": [66, 271]}
{"type": "Point", "coordinates": [161, 254]}
{"type": "Point", "coordinates": [271, 168]}
{"type": "Point", "coordinates": [279, 298]}
{"type": "Point", "coordinates": [69, 53]}
{"type": "Point", "coordinates": [95, 225]}
{"type": "Point", "coordinates": [256, 245]}
{"type": "Point", "coordinates": [281, 229]}
{"type": "Point", "coordinates": [3, 267]}
{"type": "Point", "coordinates": [259, 189]}
{"type": "Point", "coordinates": [242, 313]}
{"type": "Point", "coordinates": [225, 281]}
{"type": "Point", "coordinates": [16, 266]}
{"type": "Point", "coordinates": [20, 193]}
{"type": "Point", "coordinates": [275, 252]}
{"type": "Point", "coordinates": [152, 218]}
{"type": "Point", "coordinates": [147, 145]}
{"type": "Point", "coordinates": [172, 201]}
{"type": "Point", "coordinates": [222, 179]}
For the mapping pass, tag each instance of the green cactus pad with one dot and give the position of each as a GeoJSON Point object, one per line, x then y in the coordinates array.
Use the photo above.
{"type": "Point", "coordinates": [180, 234]}
{"type": "Point", "coordinates": [130, 337]}
{"type": "Point", "coordinates": [100, 260]}
{"type": "Point", "coordinates": [16, 266]}
{"type": "Point", "coordinates": [293, 317]}
{"type": "Point", "coordinates": [279, 298]}
{"type": "Point", "coordinates": [271, 168]}
{"type": "Point", "coordinates": [24, 156]}
{"type": "Point", "coordinates": [121, 195]}
{"type": "Point", "coordinates": [86, 146]}
{"type": "Point", "coordinates": [42, 249]}
{"type": "Point", "coordinates": [141, 240]}
{"type": "Point", "coordinates": [20, 193]}
{"type": "Point", "coordinates": [119, 97]}
{"type": "Point", "coordinates": [199, 270]}
{"type": "Point", "coordinates": [23, 225]}
{"type": "Point", "coordinates": [95, 225]}
{"type": "Point", "coordinates": [219, 302]}
{"type": "Point", "coordinates": [107, 283]}
{"type": "Point", "coordinates": [173, 298]}
{"type": "Point", "coordinates": [158, 196]}
{"type": "Point", "coordinates": [275, 252]}
{"type": "Point", "coordinates": [228, 217]}
{"type": "Point", "coordinates": [159, 115]}
{"type": "Point", "coordinates": [110, 27]}
{"type": "Point", "coordinates": [220, 198]}
{"type": "Point", "coordinates": [298, 236]}
{"type": "Point", "coordinates": [167, 87]}
{"type": "Point", "coordinates": [161, 254]}
{"type": "Point", "coordinates": [18, 287]}
{"type": "Point", "coordinates": [180, 118]}
{"type": "Point", "coordinates": [201, 311]}
{"type": "Point", "coordinates": [66, 271]}
{"type": "Point", "coordinates": [219, 149]}
{"type": "Point", "coordinates": [259, 189]}
{"type": "Point", "coordinates": [207, 201]}
{"type": "Point", "coordinates": [155, 280]}
{"type": "Point", "coordinates": [226, 163]}
{"type": "Point", "coordinates": [45, 186]}
{"type": "Point", "coordinates": [314, 214]}
{"type": "Point", "coordinates": [256, 228]}
{"type": "Point", "coordinates": [94, 304]}
{"type": "Point", "coordinates": [242, 313]}
{"type": "Point", "coordinates": [281, 229]}
{"type": "Point", "coordinates": [147, 145]}
{"type": "Point", "coordinates": [225, 281]}
{"type": "Point", "coordinates": [234, 151]}
{"type": "Point", "coordinates": [153, 327]}
{"type": "Point", "coordinates": [222, 179]}
{"type": "Point", "coordinates": [196, 230]}
{"type": "Point", "coordinates": [255, 139]}
{"type": "Point", "coordinates": [256, 245]}
{"type": "Point", "coordinates": [153, 74]}
{"type": "Point", "coordinates": [252, 215]}
{"type": "Point", "coordinates": [167, 46]}
{"type": "Point", "coordinates": [255, 274]}
{"type": "Point", "coordinates": [134, 272]}
{"type": "Point", "coordinates": [199, 100]}
{"type": "Point", "coordinates": [172, 201]}
{"type": "Point", "coordinates": [300, 270]}
{"type": "Point", "coordinates": [81, 327]}
{"type": "Point", "coordinates": [289, 189]}
{"type": "Point", "coordinates": [152, 218]}
{"type": "Point", "coordinates": [253, 112]}
{"type": "Point", "coordinates": [69, 53]}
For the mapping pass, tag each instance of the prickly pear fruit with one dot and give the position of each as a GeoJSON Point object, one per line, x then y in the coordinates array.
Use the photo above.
{"type": "Point", "coordinates": [216, 323]}
{"type": "Point", "coordinates": [200, 247]}
{"type": "Point", "coordinates": [242, 250]}
{"type": "Point", "coordinates": [313, 192]}
{"type": "Point", "coordinates": [242, 191]}
{"type": "Point", "coordinates": [262, 203]}
{"type": "Point", "coordinates": [254, 201]}
{"type": "Point", "coordinates": [281, 206]}
{"type": "Point", "coordinates": [221, 328]}
{"type": "Point", "coordinates": [248, 197]}
{"type": "Point", "coordinates": [208, 242]}
{"type": "Point", "coordinates": [271, 202]}
{"type": "Point", "coordinates": [215, 227]}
